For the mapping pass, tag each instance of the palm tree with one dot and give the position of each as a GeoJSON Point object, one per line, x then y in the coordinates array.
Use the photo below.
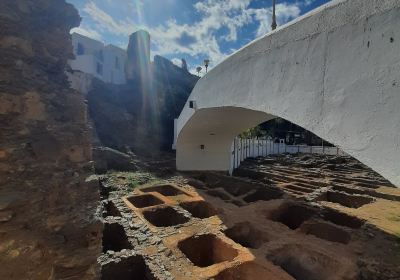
{"type": "Point", "coordinates": [206, 63]}
{"type": "Point", "coordinates": [198, 69]}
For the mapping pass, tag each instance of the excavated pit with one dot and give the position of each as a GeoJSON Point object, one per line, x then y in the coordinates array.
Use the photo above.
{"type": "Point", "coordinates": [263, 194]}
{"type": "Point", "coordinates": [129, 268]}
{"type": "Point", "coordinates": [114, 238]}
{"type": "Point", "coordinates": [347, 200]}
{"type": "Point", "coordinates": [166, 190]}
{"type": "Point", "coordinates": [327, 232]}
{"type": "Point", "coordinates": [206, 250]}
{"type": "Point", "coordinates": [246, 271]}
{"type": "Point", "coordinates": [104, 190]}
{"type": "Point", "coordinates": [110, 210]}
{"type": "Point", "coordinates": [219, 193]}
{"type": "Point", "coordinates": [296, 269]}
{"type": "Point", "coordinates": [293, 215]}
{"type": "Point", "coordinates": [342, 219]}
{"type": "Point", "coordinates": [165, 217]}
{"type": "Point", "coordinates": [187, 235]}
{"type": "Point", "coordinates": [238, 190]}
{"type": "Point", "coordinates": [145, 200]}
{"type": "Point", "coordinates": [238, 202]}
{"type": "Point", "coordinates": [199, 209]}
{"type": "Point", "coordinates": [304, 264]}
{"type": "Point", "coordinates": [231, 185]}
{"type": "Point", "coordinates": [246, 235]}
{"type": "Point", "coordinates": [253, 174]}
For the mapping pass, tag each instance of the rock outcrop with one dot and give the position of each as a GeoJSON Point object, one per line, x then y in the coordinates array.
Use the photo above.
{"type": "Point", "coordinates": [140, 115]}
{"type": "Point", "coordinates": [138, 52]}
{"type": "Point", "coordinates": [109, 159]}
{"type": "Point", "coordinates": [47, 224]}
{"type": "Point", "coordinates": [184, 65]}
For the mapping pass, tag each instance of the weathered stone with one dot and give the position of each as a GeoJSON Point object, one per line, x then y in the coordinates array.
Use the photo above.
{"type": "Point", "coordinates": [19, 44]}
{"type": "Point", "coordinates": [7, 199]}
{"type": "Point", "coordinates": [184, 65]}
{"type": "Point", "coordinates": [3, 154]}
{"type": "Point", "coordinates": [77, 154]}
{"type": "Point", "coordinates": [9, 104]}
{"type": "Point", "coordinates": [34, 108]}
{"type": "Point", "coordinates": [107, 159]}
{"type": "Point", "coordinates": [47, 210]}
{"type": "Point", "coordinates": [6, 216]}
{"type": "Point", "coordinates": [138, 52]}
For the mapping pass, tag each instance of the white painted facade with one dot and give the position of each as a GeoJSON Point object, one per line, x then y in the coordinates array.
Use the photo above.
{"type": "Point", "coordinates": [106, 63]}
{"type": "Point", "coordinates": [335, 72]}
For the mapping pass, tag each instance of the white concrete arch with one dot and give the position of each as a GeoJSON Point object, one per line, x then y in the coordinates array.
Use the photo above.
{"type": "Point", "coordinates": [334, 71]}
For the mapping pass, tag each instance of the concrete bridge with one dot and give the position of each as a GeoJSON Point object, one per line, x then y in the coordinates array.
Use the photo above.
{"type": "Point", "coordinates": [335, 72]}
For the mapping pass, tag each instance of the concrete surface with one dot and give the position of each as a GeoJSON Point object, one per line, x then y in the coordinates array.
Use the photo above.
{"type": "Point", "coordinates": [334, 71]}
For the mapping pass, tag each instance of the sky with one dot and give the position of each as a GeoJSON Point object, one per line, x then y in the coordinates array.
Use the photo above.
{"type": "Point", "coordinates": [191, 29]}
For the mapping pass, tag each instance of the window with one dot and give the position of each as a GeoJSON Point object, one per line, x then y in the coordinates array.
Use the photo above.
{"type": "Point", "coordinates": [80, 49]}
{"type": "Point", "coordinates": [116, 62]}
{"type": "Point", "coordinates": [99, 69]}
{"type": "Point", "coordinates": [101, 55]}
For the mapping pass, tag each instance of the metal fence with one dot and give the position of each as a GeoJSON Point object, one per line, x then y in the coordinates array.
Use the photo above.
{"type": "Point", "coordinates": [252, 148]}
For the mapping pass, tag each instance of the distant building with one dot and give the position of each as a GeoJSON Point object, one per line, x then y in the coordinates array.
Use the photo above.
{"type": "Point", "coordinates": [105, 62]}
{"type": "Point", "coordinates": [114, 65]}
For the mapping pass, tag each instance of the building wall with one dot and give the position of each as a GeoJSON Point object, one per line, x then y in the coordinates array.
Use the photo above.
{"type": "Point", "coordinates": [98, 60]}
{"type": "Point", "coordinates": [334, 71]}
{"type": "Point", "coordinates": [114, 65]}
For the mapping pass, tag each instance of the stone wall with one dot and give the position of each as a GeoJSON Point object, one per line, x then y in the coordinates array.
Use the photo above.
{"type": "Point", "coordinates": [48, 228]}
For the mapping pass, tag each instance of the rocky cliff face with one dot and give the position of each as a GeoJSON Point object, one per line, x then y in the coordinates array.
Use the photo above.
{"type": "Point", "coordinates": [47, 228]}
{"type": "Point", "coordinates": [140, 115]}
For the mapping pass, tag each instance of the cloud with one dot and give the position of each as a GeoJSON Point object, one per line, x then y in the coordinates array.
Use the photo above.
{"type": "Point", "coordinates": [231, 14]}
{"type": "Point", "coordinates": [105, 23]}
{"type": "Point", "coordinates": [308, 2]}
{"type": "Point", "coordinates": [177, 62]}
{"type": "Point", "coordinates": [186, 39]}
{"type": "Point", "coordinates": [219, 21]}
{"type": "Point", "coordinates": [284, 13]}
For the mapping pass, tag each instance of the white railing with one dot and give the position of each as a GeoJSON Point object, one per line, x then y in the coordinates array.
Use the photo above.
{"type": "Point", "coordinates": [253, 148]}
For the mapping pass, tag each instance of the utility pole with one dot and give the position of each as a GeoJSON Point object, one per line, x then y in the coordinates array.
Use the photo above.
{"type": "Point", "coordinates": [273, 25]}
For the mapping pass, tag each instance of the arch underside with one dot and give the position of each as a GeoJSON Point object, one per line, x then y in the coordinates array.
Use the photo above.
{"type": "Point", "coordinates": [205, 142]}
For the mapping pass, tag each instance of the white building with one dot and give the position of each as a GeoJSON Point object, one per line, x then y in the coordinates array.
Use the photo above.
{"type": "Point", "coordinates": [106, 63]}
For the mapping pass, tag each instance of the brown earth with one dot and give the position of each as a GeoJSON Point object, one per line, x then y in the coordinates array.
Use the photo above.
{"type": "Point", "coordinates": [211, 226]}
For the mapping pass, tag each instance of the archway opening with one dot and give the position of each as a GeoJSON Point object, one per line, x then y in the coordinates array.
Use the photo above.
{"type": "Point", "coordinates": [285, 159]}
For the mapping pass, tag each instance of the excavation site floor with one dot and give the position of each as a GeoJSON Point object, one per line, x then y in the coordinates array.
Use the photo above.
{"type": "Point", "coordinates": [304, 217]}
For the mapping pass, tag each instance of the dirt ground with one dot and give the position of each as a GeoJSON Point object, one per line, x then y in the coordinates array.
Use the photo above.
{"type": "Point", "coordinates": [288, 217]}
